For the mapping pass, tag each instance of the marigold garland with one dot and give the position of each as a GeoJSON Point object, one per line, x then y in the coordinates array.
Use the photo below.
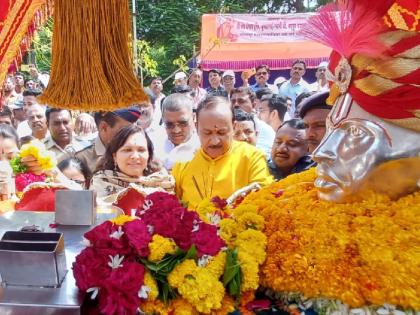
{"type": "Point", "coordinates": [156, 307]}
{"type": "Point", "coordinates": [182, 307]}
{"type": "Point", "coordinates": [177, 263]}
{"type": "Point", "coordinates": [229, 228]}
{"type": "Point", "coordinates": [242, 230]}
{"type": "Point", "coordinates": [253, 243]}
{"type": "Point", "coordinates": [151, 284]}
{"type": "Point", "coordinates": [228, 306]}
{"type": "Point", "coordinates": [217, 264]}
{"type": "Point", "coordinates": [197, 285]}
{"type": "Point", "coordinates": [361, 253]}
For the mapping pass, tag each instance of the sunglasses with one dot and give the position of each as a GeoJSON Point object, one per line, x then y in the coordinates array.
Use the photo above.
{"type": "Point", "coordinates": [172, 125]}
{"type": "Point", "coordinates": [262, 73]}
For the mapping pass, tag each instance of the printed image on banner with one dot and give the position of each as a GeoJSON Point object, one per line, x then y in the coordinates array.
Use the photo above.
{"type": "Point", "coordinates": [271, 28]}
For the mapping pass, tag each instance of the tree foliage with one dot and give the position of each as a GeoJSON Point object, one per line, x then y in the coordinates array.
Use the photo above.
{"type": "Point", "coordinates": [168, 32]}
{"type": "Point", "coordinates": [172, 28]}
{"type": "Point", "coordinates": [42, 46]}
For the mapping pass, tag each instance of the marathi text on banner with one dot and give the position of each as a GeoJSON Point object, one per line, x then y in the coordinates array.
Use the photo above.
{"type": "Point", "coordinates": [270, 28]}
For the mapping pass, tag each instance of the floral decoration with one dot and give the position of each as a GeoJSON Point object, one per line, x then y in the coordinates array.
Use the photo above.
{"type": "Point", "coordinates": [362, 253]}
{"type": "Point", "coordinates": [168, 260]}
{"type": "Point", "coordinates": [45, 158]}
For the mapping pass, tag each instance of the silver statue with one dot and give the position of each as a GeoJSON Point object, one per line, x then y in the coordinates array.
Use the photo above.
{"type": "Point", "coordinates": [361, 153]}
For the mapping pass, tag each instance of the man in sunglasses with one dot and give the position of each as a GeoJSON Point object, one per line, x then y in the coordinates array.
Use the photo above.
{"type": "Point", "coordinates": [262, 75]}
{"type": "Point", "coordinates": [296, 84]}
{"type": "Point", "coordinates": [182, 141]}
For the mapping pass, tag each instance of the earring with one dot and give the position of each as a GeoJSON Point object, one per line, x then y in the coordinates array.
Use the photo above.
{"type": "Point", "coordinates": [115, 166]}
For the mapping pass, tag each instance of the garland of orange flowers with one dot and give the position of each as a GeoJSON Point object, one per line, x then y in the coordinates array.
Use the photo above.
{"type": "Point", "coordinates": [362, 253]}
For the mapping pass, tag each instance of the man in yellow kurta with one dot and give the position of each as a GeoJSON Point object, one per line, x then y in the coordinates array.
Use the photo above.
{"type": "Point", "coordinates": [222, 165]}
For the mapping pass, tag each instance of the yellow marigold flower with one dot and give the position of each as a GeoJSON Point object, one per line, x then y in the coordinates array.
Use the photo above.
{"type": "Point", "coordinates": [252, 242]}
{"type": "Point", "coordinates": [155, 307]}
{"type": "Point", "coordinates": [159, 247]}
{"type": "Point", "coordinates": [204, 208]}
{"type": "Point", "coordinates": [249, 269]}
{"type": "Point", "coordinates": [217, 264]}
{"type": "Point", "coordinates": [187, 268]}
{"type": "Point", "coordinates": [244, 208]}
{"type": "Point", "coordinates": [181, 306]}
{"type": "Point", "coordinates": [364, 252]}
{"type": "Point", "coordinates": [228, 306]}
{"type": "Point", "coordinates": [228, 230]}
{"type": "Point", "coordinates": [37, 149]}
{"type": "Point", "coordinates": [150, 282]}
{"type": "Point", "coordinates": [198, 286]}
{"type": "Point", "coordinates": [122, 219]}
{"type": "Point", "coordinates": [250, 220]}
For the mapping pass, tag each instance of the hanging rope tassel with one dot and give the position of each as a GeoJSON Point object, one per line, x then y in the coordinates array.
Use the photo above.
{"type": "Point", "coordinates": [91, 60]}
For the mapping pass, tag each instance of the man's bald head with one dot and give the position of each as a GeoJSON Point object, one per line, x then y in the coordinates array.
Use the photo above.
{"type": "Point", "coordinates": [215, 103]}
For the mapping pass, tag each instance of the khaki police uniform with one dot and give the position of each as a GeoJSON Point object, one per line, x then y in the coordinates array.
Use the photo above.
{"type": "Point", "coordinates": [91, 155]}
{"type": "Point", "coordinates": [69, 151]}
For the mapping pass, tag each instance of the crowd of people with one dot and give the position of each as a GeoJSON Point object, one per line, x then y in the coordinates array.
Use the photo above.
{"type": "Point", "coordinates": [197, 142]}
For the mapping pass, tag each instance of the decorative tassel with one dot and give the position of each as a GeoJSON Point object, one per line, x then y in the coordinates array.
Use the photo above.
{"type": "Point", "coordinates": [91, 60]}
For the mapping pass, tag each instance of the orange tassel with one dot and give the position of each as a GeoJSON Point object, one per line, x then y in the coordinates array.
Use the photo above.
{"type": "Point", "coordinates": [91, 60]}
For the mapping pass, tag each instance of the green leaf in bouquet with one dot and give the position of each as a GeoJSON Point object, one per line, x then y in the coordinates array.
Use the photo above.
{"type": "Point", "coordinates": [232, 273]}
{"type": "Point", "coordinates": [192, 253]}
{"type": "Point", "coordinates": [161, 269]}
{"type": "Point", "coordinates": [17, 166]}
{"type": "Point", "coordinates": [231, 262]}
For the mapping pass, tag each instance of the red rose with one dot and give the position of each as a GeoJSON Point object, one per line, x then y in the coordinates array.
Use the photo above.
{"type": "Point", "coordinates": [206, 240]}
{"type": "Point", "coordinates": [182, 235]}
{"type": "Point", "coordinates": [163, 220]}
{"type": "Point", "coordinates": [101, 240]}
{"type": "Point", "coordinates": [119, 294]}
{"type": "Point", "coordinates": [90, 269]}
{"type": "Point", "coordinates": [138, 236]}
{"type": "Point", "coordinates": [99, 232]}
{"type": "Point", "coordinates": [159, 201]}
{"type": "Point", "coordinates": [162, 211]}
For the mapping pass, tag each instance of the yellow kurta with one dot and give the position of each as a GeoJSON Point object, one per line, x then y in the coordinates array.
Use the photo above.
{"type": "Point", "coordinates": [242, 165]}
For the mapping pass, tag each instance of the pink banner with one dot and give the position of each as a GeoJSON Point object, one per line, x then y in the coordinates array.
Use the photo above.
{"type": "Point", "coordinates": [272, 28]}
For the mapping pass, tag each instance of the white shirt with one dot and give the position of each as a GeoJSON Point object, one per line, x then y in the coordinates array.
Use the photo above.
{"type": "Point", "coordinates": [157, 110]}
{"type": "Point", "coordinates": [23, 129]}
{"type": "Point", "coordinates": [316, 87]}
{"type": "Point", "coordinates": [157, 134]}
{"type": "Point", "coordinates": [199, 95]}
{"type": "Point", "coordinates": [287, 117]}
{"type": "Point", "coordinates": [170, 154]}
{"type": "Point", "coordinates": [287, 89]}
{"type": "Point", "coordinates": [266, 136]}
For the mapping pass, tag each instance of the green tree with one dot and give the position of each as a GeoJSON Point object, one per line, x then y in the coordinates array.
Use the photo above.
{"type": "Point", "coordinates": [173, 27]}
{"type": "Point", "coordinates": [167, 30]}
{"type": "Point", "coordinates": [145, 61]}
{"type": "Point", "coordinates": [42, 46]}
